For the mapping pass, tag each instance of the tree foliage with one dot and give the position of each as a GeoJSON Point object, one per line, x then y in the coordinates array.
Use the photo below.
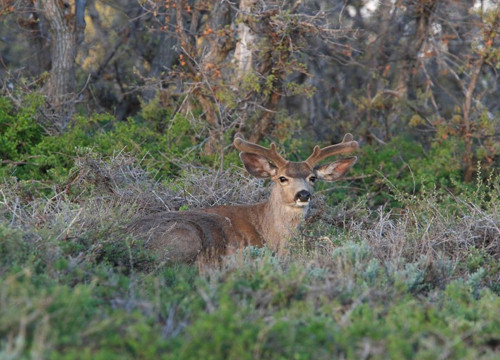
{"type": "Point", "coordinates": [138, 115]}
{"type": "Point", "coordinates": [293, 71]}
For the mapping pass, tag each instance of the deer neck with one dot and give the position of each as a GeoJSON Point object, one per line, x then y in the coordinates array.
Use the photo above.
{"type": "Point", "coordinates": [280, 221]}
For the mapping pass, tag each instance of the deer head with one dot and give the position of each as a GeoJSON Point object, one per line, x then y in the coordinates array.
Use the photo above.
{"type": "Point", "coordinates": [294, 180]}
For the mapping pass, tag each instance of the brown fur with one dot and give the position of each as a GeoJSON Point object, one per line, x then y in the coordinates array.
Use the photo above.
{"type": "Point", "coordinates": [185, 236]}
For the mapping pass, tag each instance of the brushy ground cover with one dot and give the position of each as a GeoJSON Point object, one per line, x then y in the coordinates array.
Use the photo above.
{"type": "Point", "coordinates": [401, 262]}
{"type": "Point", "coordinates": [418, 280]}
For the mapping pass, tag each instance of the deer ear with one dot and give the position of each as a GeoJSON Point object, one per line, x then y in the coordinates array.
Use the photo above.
{"type": "Point", "coordinates": [257, 165]}
{"type": "Point", "coordinates": [335, 170]}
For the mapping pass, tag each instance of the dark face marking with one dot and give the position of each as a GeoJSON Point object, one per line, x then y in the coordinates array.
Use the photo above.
{"type": "Point", "coordinates": [296, 189]}
{"type": "Point", "coordinates": [296, 170]}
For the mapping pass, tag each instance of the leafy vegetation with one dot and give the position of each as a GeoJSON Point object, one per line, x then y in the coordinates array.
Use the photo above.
{"type": "Point", "coordinates": [30, 152]}
{"type": "Point", "coordinates": [402, 261]}
{"type": "Point", "coordinates": [418, 282]}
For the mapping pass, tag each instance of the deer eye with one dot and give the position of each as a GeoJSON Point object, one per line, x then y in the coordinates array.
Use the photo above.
{"type": "Point", "coordinates": [312, 179]}
{"type": "Point", "coordinates": [283, 179]}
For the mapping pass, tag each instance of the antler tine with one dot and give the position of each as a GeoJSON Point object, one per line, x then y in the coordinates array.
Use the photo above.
{"type": "Point", "coordinates": [346, 146]}
{"type": "Point", "coordinates": [270, 154]}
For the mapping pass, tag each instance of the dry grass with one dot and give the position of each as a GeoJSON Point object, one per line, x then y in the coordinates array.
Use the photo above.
{"type": "Point", "coordinates": [352, 272]}
{"type": "Point", "coordinates": [102, 196]}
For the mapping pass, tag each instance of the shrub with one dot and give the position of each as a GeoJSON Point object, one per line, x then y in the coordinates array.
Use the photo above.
{"type": "Point", "coordinates": [29, 152]}
{"type": "Point", "coordinates": [416, 282]}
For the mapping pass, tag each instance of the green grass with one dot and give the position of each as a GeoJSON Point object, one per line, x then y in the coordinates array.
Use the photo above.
{"type": "Point", "coordinates": [254, 307]}
{"type": "Point", "coordinates": [419, 282]}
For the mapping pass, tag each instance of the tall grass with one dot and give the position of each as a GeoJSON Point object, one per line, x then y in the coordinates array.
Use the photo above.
{"type": "Point", "coordinates": [420, 281]}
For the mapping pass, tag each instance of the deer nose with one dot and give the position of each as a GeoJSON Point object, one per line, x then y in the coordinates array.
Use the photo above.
{"type": "Point", "coordinates": [303, 196]}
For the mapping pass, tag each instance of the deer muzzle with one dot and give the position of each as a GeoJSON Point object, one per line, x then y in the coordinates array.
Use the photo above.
{"type": "Point", "coordinates": [302, 198]}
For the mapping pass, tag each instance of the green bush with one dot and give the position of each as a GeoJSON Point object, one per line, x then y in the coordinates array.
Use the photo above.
{"type": "Point", "coordinates": [29, 152]}
{"type": "Point", "coordinates": [15, 249]}
{"type": "Point", "coordinates": [415, 282]}
{"type": "Point", "coordinates": [19, 130]}
{"type": "Point", "coordinates": [256, 305]}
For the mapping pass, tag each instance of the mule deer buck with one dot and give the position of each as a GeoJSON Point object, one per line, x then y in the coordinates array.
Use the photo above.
{"type": "Point", "coordinates": [183, 236]}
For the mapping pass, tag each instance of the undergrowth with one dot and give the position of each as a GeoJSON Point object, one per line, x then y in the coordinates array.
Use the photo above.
{"type": "Point", "coordinates": [420, 281]}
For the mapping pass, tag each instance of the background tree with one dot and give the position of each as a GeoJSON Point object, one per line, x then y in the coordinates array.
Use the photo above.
{"type": "Point", "coordinates": [54, 29]}
{"type": "Point", "coordinates": [304, 70]}
{"type": "Point", "coordinates": [66, 24]}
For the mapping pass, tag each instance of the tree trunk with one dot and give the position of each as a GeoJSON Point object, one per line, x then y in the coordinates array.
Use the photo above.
{"type": "Point", "coordinates": [60, 88]}
{"type": "Point", "coordinates": [466, 121]}
{"type": "Point", "coordinates": [246, 39]}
